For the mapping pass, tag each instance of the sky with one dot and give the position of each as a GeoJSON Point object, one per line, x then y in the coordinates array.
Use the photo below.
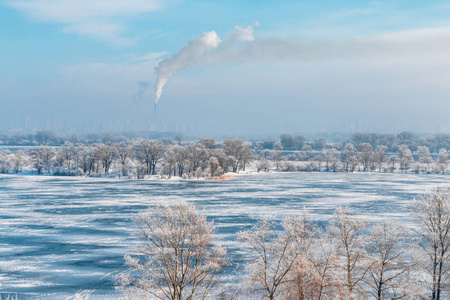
{"type": "Point", "coordinates": [225, 67]}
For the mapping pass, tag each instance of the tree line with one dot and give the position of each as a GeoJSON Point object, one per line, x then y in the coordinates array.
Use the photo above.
{"type": "Point", "coordinates": [136, 158]}
{"type": "Point", "coordinates": [205, 158]}
{"type": "Point", "coordinates": [318, 142]}
{"type": "Point", "coordinates": [178, 257]}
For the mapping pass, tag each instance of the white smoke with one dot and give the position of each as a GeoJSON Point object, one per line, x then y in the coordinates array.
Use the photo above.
{"type": "Point", "coordinates": [241, 46]}
{"type": "Point", "coordinates": [207, 48]}
{"type": "Point", "coordinates": [189, 56]}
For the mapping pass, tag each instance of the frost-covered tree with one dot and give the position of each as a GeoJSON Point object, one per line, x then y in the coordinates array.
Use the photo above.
{"type": "Point", "coordinates": [287, 141]}
{"type": "Point", "coordinates": [392, 161]}
{"type": "Point", "coordinates": [77, 155]}
{"type": "Point", "coordinates": [324, 266]}
{"type": "Point", "coordinates": [198, 157]}
{"type": "Point", "coordinates": [181, 158]}
{"type": "Point", "coordinates": [299, 142]}
{"type": "Point", "coordinates": [238, 150]}
{"type": "Point", "coordinates": [275, 257]}
{"type": "Point", "coordinates": [331, 158]}
{"type": "Point", "coordinates": [170, 162]}
{"type": "Point", "coordinates": [149, 152]}
{"type": "Point", "coordinates": [353, 259]}
{"type": "Point", "coordinates": [306, 153]}
{"type": "Point", "coordinates": [60, 160]}
{"type": "Point", "coordinates": [404, 158]}
{"type": "Point", "coordinates": [214, 167]}
{"type": "Point", "coordinates": [66, 155]}
{"type": "Point", "coordinates": [123, 151]}
{"type": "Point", "coordinates": [390, 246]}
{"type": "Point", "coordinates": [302, 282]}
{"type": "Point", "coordinates": [84, 157]}
{"type": "Point", "coordinates": [19, 161]}
{"type": "Point", "coordinates": [425, 157]}
{"type": "Point", "coordinates": [319, 144]}
{"type": "Point", "coordinates": [177, 258]}
{"type": "Point", "coordinates": [225, 161]}
{"type": "Point", "coordinates": [209, 143]}
{"type": "Point", "coordinates": [442, 161]}
{"type": "Point", "coordinates": [263, 163]}
{"type": "Point", "coordinates": [278, 155]}
{"type": "Point", "coordinates": [433, 213]}
{"type": "Point", "coordinates": [366, 155]}
{"type": "Point", "coordinates": [41, 157]}
{"type": "Point", "coordinates": [380, 156]}
{"type": "Point", "coordinates": [6, 161]}
{"type": "Point", "coordinates": [349, 158]}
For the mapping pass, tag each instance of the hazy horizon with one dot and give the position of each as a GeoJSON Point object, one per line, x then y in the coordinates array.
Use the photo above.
{"type": "Point", "coordinates": [234, 68]}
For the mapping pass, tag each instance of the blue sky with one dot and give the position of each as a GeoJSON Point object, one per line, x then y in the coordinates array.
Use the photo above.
{"type": "Point", "coordinates": [369, 65]}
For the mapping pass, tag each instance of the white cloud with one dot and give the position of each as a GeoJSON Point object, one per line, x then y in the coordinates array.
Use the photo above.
{"type": "Point", "coordinates": [93, 18]}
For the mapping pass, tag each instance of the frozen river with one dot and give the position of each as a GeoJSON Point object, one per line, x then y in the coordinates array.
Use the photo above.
{"type": "Point", "coordinates": [61, 235]}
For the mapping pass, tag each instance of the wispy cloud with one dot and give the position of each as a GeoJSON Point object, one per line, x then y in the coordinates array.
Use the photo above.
{"type": "Point", "coordinates": [99, 19]}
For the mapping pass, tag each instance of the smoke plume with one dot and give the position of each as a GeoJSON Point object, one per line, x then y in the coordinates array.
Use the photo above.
{"type": "Point", "coordinates": [241, 46]}
{"type": "Point", "coordinates": [189, 56]}
{"type": "Point", "coordinates": [207, 48]}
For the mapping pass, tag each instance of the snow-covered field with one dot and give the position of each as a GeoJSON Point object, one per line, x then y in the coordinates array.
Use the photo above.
{"type": "Point", "coordinates": [62, 235]}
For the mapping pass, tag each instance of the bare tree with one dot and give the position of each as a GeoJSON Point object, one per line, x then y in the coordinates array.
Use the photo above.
{"type": "Point", "coordinates": [442, 161]}
{"type": "Point", "coordinates": [306, 153]}
{"type": "Point", "coordinates": [150, 152]}
{"type": "Point", "coordinates": [123, 152]}
{"type": "Point", "coordinates": [214, 167]}
{"type": "Point", "coordinates": [181, 158]}
{"type": "Point", "coordinates": [209, 143]}
{"type": "Point", "coordinates": [278, 155]}
{"type": "Point", "coordinates": [41, 157]}
{"type": "Point", "coordinates": [433, 213]}
{"type": "Point", "coordinates": [392, 161]}
{"type": "Point", "coordinates": [275, 258]}
{"type": "Point", "coordinates": [324, 262]}
{"type": "Point", "coordinates": [380, 156]}
{"type": "Point", "coordinates": [66, 153]}
{"type": "Point", "coordinates": [177, 259]}
{"type": "Point", "coordinates": [349, 157]}
{"type": "Point", "coordinates": [302, 282]}
{"type": "Point", "coordinates": [425, 157]}
{"type": "Point", "coordinates": [198, 157]}
{"type": "Point", "coordinates": [390, 245]}
{"type": "Point", "coordinates": [19, 160]}
{"type": "Point", "coordinates": [6, 161]}
{"type": "Point", "coordinates": [366, 155]}
{"type": "Point", "coordinates": [405, 158]}
{"type": "Point", "coordinates": [225, 161]}
{"type": "Point", "coordinates": [77, 154]}
{"type": "Point", "coordinates": [237, 149]}
{"type": "Point", "coordinates": [353, 258]}
{"type": "Point", "coordinates": [331, 159]}
{"type": "Point", "coordinates": [106, 154]}
{"type": "Point", "coordinates": [263, 164]}
{"type": "Point", "coordinates": [170, 161]}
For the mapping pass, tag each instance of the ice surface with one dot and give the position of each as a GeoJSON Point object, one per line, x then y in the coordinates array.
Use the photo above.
{"type": "Point", "coordinates": [65, 235]}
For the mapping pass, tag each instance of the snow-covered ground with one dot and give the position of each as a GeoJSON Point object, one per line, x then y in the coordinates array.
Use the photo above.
{"type": "Point", "coordinates": [62, 235]}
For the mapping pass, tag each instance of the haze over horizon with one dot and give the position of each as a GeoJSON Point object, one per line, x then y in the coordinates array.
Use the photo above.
{"type": "Point", "coordinates": [240, 67]}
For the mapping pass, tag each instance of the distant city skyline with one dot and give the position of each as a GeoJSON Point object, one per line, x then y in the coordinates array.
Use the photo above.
{"type": "Point", "coordinates": [29, 124]}
{"type": "Point", "coordinates": [225, 68]}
